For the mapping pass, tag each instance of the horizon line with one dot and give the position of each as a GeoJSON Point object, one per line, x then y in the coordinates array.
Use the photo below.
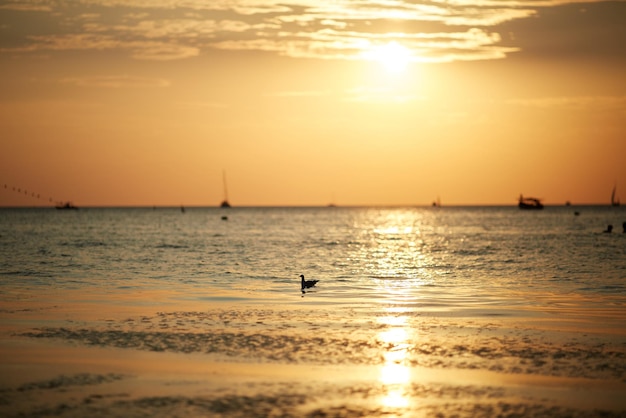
{"type": "Point", "coordinates": [329, 206]}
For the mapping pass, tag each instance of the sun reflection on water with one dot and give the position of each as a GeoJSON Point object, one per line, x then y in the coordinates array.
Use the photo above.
{"type": "Point", "coordinates": [397, 251]}
{"type": "Point", "coordinates": [395, 375]}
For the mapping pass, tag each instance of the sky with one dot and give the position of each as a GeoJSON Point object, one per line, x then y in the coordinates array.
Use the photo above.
{"type": "Point", "coordinates": [311, 102]}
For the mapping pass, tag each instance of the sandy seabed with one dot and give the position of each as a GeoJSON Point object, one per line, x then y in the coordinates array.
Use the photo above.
{"type": "Point", "coordinates": [77, 354]}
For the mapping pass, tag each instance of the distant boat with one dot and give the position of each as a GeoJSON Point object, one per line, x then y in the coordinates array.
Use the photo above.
{"type": "Point", "coordinates": [332, 203]}
{"type": "Point", "coordinates": [66, 206]}
{"type": "Point", "coordinates": [529, 203]}
{"type": "Point", "coordinates": [614, 202]}
{"type": "Point", "coordinates": [225, 203]}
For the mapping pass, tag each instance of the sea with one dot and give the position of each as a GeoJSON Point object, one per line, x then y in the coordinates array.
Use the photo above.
{"type": "Point", "coordinates": [418, 312]}
{"type": "Point", "coordinates": [369, 254]}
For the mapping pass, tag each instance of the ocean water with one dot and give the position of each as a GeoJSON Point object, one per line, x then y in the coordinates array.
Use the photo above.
{"type": "Point", "coordinates": [419, 312]}
{"type": "Point", "coordinates": [372, 254]}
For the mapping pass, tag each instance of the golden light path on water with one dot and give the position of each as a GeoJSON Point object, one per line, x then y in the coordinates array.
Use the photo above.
{"type": "Point", "coordinates": [399, 257]}
{"type": "Point", "coordinates": [395, 375]}
{"type": "Point", "coordinates": [397, 237]}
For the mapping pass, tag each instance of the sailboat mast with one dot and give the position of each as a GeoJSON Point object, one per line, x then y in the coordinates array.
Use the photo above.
{"type": "Point", "coordinates": [225, 189]}
{"type": "Point", "coordinates": [225, 203]}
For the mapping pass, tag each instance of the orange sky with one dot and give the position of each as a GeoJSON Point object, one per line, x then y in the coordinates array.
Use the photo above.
{"type": "Point", "coordinates": [308, 102]}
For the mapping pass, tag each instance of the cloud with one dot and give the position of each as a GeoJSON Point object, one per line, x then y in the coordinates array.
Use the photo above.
{"type": "Point", "coordinates": [202, 105]}
{"type": "Point", "coordinates": [159, 51]}
{"type": "Point", "coordinates": [582, 103]}
{"type": "Point", "coordinates": [434, 31]}
{"type": "Point", "coordinates": [27, 6]}
{"type": "Point", "coordinates": [150, 50]}
{"type": "Point", "coordinates": [175, 28]}
{"type": "Point", "coordinates": [362, 94]}
{"type": "Point", "coordinates": [473, 44]}
{"type": "Point", "coordinates": [116, 81]}
{"type": "Point", "coordinates": [311, 93]}
{"type": "Point", "coordinates": [378, 95]}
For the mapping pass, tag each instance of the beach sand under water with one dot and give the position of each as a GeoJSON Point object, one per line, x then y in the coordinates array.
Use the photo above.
{"type": "Point", "coordinates": [77, 353]}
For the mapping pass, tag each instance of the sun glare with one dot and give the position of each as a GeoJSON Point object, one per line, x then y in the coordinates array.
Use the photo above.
{"type": "Point", "coordinates": [392, 56]}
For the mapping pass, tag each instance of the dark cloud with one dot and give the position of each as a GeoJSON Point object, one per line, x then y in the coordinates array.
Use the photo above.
{"type": "Point", "coordinates": [571, 31]}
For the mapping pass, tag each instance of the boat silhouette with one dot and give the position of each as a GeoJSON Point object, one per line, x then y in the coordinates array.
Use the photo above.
{"type": "Point", "coordinates": [529, 203]}
{"type": "Point", "coordinates": [225, 203]}
{"type": "Point", "coordinates": [66, 206]}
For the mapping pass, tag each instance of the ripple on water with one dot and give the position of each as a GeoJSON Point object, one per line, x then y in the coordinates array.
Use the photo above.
{"type": "Point", "coordinates": [286, 336]}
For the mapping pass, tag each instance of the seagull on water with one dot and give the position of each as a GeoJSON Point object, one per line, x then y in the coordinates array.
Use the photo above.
{"type": "Point", "coordinates": [307, 283]}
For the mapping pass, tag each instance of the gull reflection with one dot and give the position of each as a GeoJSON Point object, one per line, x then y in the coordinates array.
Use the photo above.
{"type": "Point", "coordinates": [395, 375]}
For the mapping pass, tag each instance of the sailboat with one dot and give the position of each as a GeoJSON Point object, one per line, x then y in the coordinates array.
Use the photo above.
{"type": "Point", "coordinates": [225, 203]}
{"type": "Point", "coordinates": [614, 202]}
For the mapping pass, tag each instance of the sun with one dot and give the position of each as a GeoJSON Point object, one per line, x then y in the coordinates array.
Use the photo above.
{"type": "Point", "coordinates": [392, 56]}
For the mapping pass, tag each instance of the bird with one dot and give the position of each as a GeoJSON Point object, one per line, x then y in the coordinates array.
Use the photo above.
{"type": "Point", "coordinates": [307, 283]}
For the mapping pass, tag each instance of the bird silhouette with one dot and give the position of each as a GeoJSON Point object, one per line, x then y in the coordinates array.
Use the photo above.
{"type": "Point", "coordinates": [306, 284]}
